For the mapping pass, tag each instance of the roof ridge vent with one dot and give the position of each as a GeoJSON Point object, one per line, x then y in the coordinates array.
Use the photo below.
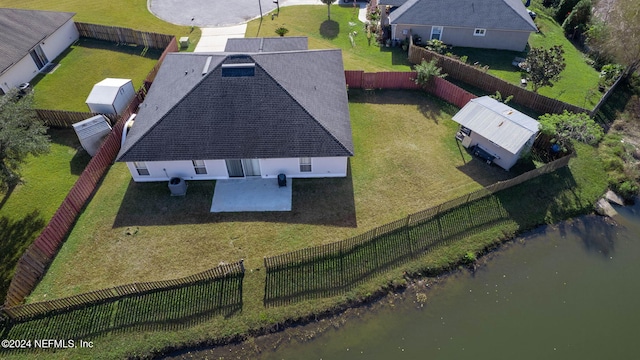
{"type": "Point", "coordinates": [238, 69]}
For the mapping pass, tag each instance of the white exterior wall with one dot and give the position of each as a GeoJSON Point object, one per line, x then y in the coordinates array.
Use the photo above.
{"type": "Point", "coordinates": [217, 169]}
{"type": "Point", "coordinates": [124, 97]}
{"type": "Point", "coordinates": [320, 167]}
{"type": "Point", "coordinates": [165, 170]}
{"type": "Point", "coordinates": [504, 159]}
{"type": "Point", "coordinates": [463, 37]}
{"type": "Point", "coordinates": [25, 69]}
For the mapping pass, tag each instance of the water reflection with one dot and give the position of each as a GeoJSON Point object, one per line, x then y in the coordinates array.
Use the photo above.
{"type": "Point", "coordinates": [563, 292]}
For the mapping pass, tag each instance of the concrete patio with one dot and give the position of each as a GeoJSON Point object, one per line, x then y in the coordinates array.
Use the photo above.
{"type": "Point", "coordinates": [251, 194]}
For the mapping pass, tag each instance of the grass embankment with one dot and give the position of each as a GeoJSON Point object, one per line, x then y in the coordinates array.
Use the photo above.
{"type": "Point", "coordinates": [406, 160]}
{"type": "Point", "coordinates": [578, 84]}
{"type": "Point", "coordinates": [26, 209]}
{"type": "Point", "coordinates": [84, 64]}
{"type": "Point", "coordinates": [311, 21]}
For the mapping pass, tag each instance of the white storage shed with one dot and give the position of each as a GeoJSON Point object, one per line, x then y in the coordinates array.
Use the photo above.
{"type": "Point", "coordinates": [111, 96]}
{"type": "Point", "coordinates": [91, 132]}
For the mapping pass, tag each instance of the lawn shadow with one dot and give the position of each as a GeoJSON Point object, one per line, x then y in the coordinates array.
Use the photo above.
{"type": "Point", "coordinates": [68, 138]}
{"type": "Point", "coordinates": [546, 198]}
{"type": "Point", "coordinates": [136, 50]}
{"type": "Point", "coordinates": [398, 56]}
{"type": "Point", "coordinates": [481, 172]}
{"type": "Point", "coordinates": [321, 201]}
{"type": "Point", "coordinates": [16, 236]}
{"type": "Point", "coordinates": [329, 29]}
{"type": "Point", "coordinates": [429, 106]}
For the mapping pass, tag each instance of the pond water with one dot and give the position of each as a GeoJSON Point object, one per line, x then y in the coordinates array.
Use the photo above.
{"type": "Point", "coordinates": [562, 292]}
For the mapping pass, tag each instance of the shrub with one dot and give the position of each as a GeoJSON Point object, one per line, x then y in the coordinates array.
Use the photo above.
{"type": "Point", "coordinates": [426, 70]}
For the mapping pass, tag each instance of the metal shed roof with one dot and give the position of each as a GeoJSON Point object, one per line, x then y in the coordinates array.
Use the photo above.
{"type": "Point", "coordinates": [497, 122]}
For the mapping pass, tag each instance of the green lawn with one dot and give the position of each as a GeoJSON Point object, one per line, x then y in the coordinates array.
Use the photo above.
{"type": "Point", "coordinates": [125, 13]}
{"type": "Point", "coordinates": [578, 84]}
{"type": "Point", "coordinates": [25, 210]}
{"type": "Point", "coordinates": [83, 65]}
{"type": "Point", "coordinates": [311, 21]}
{"type": "Point", "coordinates": [406, 160]}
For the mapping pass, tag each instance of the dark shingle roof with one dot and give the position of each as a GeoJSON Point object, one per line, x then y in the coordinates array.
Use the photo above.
{"type": "Point", "coordinates": [22, 30]}
{"type": "Point", "coordinates": [273, 44]}
{"type": "Point", "coordinates": [486, 14]}
{"type": "Point", "coordinates": [291, 107]}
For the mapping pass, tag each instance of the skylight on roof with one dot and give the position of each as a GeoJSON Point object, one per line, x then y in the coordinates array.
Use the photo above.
{"type": "Point", "coordinates": [238, 70]}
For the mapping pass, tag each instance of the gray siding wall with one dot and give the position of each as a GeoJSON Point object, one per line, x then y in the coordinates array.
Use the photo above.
{"type": "Point", "coordinates": [493, 39]}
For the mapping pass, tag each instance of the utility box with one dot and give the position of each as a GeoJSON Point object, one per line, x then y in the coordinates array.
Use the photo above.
{"type": "Point", "coordinates": [92, 132]}
{"type": "Point", "coordinates": [110, 96]}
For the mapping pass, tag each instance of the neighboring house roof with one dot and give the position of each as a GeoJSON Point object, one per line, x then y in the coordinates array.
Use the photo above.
{"type": "Point", "coordinates": [391, 2]}
{"type": "Point", "coordinates": [22, 30]}
{"type": "Point", "coordinates": [294, 105]}
{"type": "Point", "coordinates": [485, 14]}
{"type": "Point", "coordinates": [272, 44]}
{"type": "Point", "coordinates": [497, 122]}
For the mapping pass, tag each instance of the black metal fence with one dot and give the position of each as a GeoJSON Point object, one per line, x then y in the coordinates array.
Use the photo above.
{"type": "Point", "coordinates": [161, 305]}
{"type": "Point", "coordinates": [332, 269]}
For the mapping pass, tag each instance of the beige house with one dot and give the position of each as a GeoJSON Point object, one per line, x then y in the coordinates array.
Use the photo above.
{"type": "Point", "coordinates": [490, 24]}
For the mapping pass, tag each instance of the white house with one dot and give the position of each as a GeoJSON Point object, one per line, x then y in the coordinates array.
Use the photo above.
{"type": "Point", "coordinates": [258, 112]}
{"type": "Point", "coordinates": [494, 131]}
{"type": "Point", "coordinates": [490, 24]}
{"type": "Point", "coordinates": [29, 40]}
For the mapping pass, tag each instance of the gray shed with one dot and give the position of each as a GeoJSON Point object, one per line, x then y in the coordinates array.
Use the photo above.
{"type": "Point", "coordinates": [91, 132]}
{"type": "Point", "coordinates": [495, 131]}
{"type": "Point", "coordinates": [110, 96]}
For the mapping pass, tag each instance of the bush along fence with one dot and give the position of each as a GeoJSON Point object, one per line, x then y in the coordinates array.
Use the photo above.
{"type": "Point", "coordinates": [358, 79]}
{"type": "Point", "coordinates": [160, 305]}
{"type": "Point", "coordinates": [39, 255]}
{"type": "Point", "coordinates": [335, 268]}
{"type": "Point", "coordinates": [471, 75]}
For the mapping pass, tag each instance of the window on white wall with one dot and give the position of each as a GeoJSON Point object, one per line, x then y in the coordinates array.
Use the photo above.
{"type": "Point", "coordinates": [436, 33]}
{"type": "Point", "coordinates": [479, 32]}
{"type": "Point", "coordinates": [199, 167]}
{"type": "Point", "coordinates": [305, 164]}
{"type": "Point", "coordinates": [141, 167]}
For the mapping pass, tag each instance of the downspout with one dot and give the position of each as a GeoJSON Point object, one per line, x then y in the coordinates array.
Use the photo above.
{"type": "Point", "coordinates": [125, 129]}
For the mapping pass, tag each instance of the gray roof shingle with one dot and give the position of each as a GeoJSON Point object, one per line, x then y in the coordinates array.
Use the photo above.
{"type": "Point", "coordinates": [290, 107]}
{"type": "Point", "coordinates": [22, 30]}
{"type": "Point", "coordinates": [486, 14]}
{"type": "Point", "coordinates": [269, 44]}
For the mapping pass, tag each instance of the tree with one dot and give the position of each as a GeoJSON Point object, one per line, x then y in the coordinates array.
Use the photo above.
{"type": "Point", "coordinates": [427, 70]}
{"type": "Point", "coordinates": [566, 126]}
{"type": "Point", "coordinates": [564, 9]}
{"type": "Point", "coordinates": [617, 34]}
{"type": "Point", "coordinates": [22, 133]}
{"type": "Point", "coordinates": [577, 21]}
{"type": "Point", "coordinates": [328, 3]}
{"type": "Point", "coordinates": [545, 66]}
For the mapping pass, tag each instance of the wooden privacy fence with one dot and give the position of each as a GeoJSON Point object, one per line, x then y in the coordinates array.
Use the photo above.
{"type": "Point", "coordinates": [64, 119]}
{"type": "Point", "coordinates": [39, 255]}
{"type": "Point", "coordinates": [334, 268]}
{"type": "Point", "coordinates": [473, 76]}
{"type": "Point", "coordinates": [165, 305]}
{"type": "Point", "coordinates": [358, 79]}
{"type": "Point", "coordinates": [124, 35]}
